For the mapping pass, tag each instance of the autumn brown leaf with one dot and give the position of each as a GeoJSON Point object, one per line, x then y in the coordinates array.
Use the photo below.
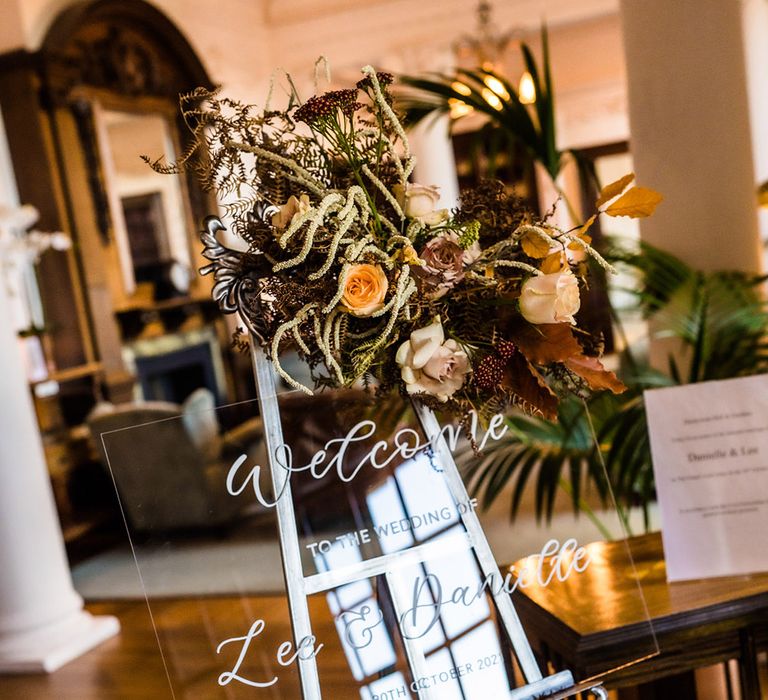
{"type": "Point", "coordinates": [534, 245]}
{"type": "Point", "coordinates": [553, 263]}
{"type": "Point", "coordinates": [591, 370]}
{"type": "Point", "coordinates": [542, 345]}
{"type": "Point", "coordinates": [615, 188]}
{"type": "Point", "coordinates": [577, 246]}
{"type": "Point", "coordinates": [582, 235]}
{"type": "Point", "coordinates": [636, 202]}
{"type": "Point", "coordinates": [531, 391]}
{"type": "Point", "coordinates": [586, 226]}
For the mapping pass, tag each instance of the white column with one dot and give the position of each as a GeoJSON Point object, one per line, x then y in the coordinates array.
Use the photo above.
{"type": "Point", "coordinates": [755, 23]}
{"type": "Point", "coordinates": [690, 128]}
{"type": "Point", "coordinates": [42, 621]}
{"type": "Point", "coordinates": [435, 163]}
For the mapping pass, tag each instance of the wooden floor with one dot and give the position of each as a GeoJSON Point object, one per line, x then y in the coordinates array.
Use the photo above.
{"type": "Point", "coordinates": [130, 667]}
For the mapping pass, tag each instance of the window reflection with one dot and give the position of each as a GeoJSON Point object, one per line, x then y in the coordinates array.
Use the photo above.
{"type": "Point", "coordinates": [367, 655]}
{"type": "Point", "coordinates": [481, 648]}
{"type": "Point", "coordinates": [385, 506]}
{"type": "Point", "coordinates": [338, 557]}
{"type": "Point", "coordinates": [389, 685]}
{"type": "Point", "coordinates": [425, 497]}
{"type": "Point", "coordinates": [460, 570]}
{"type": "Point", "coordinates": [437, 663]}
{"type": "Point", "coordinates": [410, 507]}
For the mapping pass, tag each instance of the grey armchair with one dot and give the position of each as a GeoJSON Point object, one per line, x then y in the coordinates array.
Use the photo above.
{"type": "Point", "coordinates": [169, 463]}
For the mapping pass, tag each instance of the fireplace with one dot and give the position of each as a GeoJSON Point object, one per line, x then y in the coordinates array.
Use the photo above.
{"type": "Point", "coordinates": [171, 367]}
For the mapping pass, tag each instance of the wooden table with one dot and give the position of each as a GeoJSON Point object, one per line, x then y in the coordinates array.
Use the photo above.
{"type": "Point", "coordinates": [596, 621]}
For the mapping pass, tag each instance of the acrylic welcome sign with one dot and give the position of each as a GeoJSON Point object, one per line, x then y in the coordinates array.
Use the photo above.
{"type": "Point", "coordinates": [361, 571]}
{"type": "Point", "coordinates": [325, 545]}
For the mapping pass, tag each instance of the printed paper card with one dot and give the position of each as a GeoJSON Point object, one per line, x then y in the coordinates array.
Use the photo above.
{"type": "Point", "coordinates": [709, 444]}
{"type": "Point", "coordinates": [367, 485]}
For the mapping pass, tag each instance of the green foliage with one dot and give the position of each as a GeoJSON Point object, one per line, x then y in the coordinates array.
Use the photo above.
{"type": "Point", "coordinates": [531, 126]}
{"type": "Point", "coordinates": [717, 322]}
{"type": "Point", "coordinates": [538, 451]}
{"type": "Point", "coordinates": [469, 234]}
{"type": "Point", "coordinates": [719, 318]}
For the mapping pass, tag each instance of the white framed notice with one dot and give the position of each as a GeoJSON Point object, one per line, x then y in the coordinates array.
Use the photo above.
{"type": "Point", "coordinates": [709, 444]}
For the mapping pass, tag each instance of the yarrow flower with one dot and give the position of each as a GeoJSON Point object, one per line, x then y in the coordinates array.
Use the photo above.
{"type": "Point", "coordinates": [385, 79]}
{"type": "Point", "coordinates": [320, 108]}
{"type": "Point", "coordinates": [470, 234]}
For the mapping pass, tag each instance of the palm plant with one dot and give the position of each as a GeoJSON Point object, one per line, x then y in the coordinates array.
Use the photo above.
{"type": "Point", "coordinates": [488, 92]}
{"type": "Point", "coordinates": [718, 323]}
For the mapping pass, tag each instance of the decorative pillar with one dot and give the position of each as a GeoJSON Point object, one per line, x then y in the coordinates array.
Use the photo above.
{"type": "Point", "coordinates": [42, 621]}
{"type": "Point", "coordinates": [755, 24]}
{"type": "Point", "coordinates": [567, 213]}
{"type": "Point", "coordinates": [431, 143]}
{"type": "Point", "coordinates": [690, 127]}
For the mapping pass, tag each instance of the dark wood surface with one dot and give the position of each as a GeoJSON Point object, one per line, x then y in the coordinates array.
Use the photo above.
{"type": "Point", "coordinates": [597, 620]}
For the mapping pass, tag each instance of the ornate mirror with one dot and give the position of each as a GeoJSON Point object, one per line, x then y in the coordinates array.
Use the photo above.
{"type": "Point", "coordinates": [112, 73]}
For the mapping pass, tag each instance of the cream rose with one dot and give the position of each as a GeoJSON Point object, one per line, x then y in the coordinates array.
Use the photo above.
{"type": "Point", "coordinates": [552, 298]}
{"type": "Point", "coordinates": [282, 218]}
{"type": "Point", "coordinates": [419, 201]}
{"type": "Point", "coordinates": [429, 364]}
{"type": "Point", "coordinates": [435, 218]}
{"type": "Point", "coordinates": [364, 290]}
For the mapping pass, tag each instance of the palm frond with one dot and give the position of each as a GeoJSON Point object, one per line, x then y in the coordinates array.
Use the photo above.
{"type": "Point", "coordinates": [532, 128]}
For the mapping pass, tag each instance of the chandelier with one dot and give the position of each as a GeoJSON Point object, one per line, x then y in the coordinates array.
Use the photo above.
{"type": "Point", "coordinates": [487, 49]}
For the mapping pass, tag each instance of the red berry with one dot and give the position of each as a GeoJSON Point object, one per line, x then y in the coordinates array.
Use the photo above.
{"type": "Point", "coordinates": [489, 372]}
{"type": "Point", "coordinates": [505, 349]}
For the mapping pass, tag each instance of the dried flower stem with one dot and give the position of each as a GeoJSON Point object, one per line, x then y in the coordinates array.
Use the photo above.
{"type": "Point", "coordinates": [303, 177]}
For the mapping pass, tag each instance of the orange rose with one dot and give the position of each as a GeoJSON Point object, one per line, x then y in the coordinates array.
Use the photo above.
{"type": "Point", "coordinates": [364, 290]}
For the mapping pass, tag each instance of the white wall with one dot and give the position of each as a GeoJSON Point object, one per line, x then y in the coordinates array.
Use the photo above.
{"type": "Point", "coordinates": [12, 279]}
{"type": "Point", "coordinates": [241, 42]}
{"type": "Point", "coordinates": [755, 24]}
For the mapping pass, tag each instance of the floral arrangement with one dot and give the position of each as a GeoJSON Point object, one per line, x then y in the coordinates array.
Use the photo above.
{"type": "Point", "coordinates": [361, 272]}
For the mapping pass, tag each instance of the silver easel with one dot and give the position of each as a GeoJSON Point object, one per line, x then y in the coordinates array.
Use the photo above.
{"type": "Point", "coordinates": [237, 291]}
